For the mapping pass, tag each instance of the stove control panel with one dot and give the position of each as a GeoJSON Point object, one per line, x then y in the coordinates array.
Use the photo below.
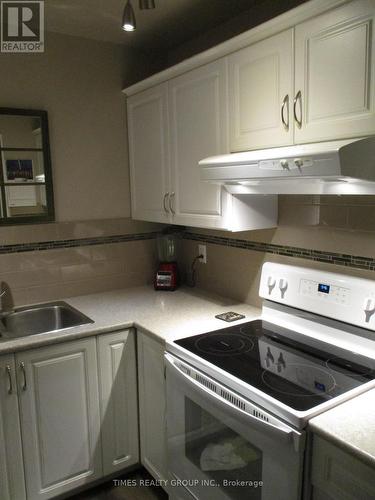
{"type": "Point", "coordinates": [325, 292]}
{"type": "Point", "coordinates": [338, 296]}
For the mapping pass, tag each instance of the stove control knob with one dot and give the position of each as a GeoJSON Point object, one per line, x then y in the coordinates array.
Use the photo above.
{"type": "Point", "coordinates": [283, 285]}
{"type": "Point", "coordinates": [271, 283]}
{"type": "Point", "coordinates": [369, 308]}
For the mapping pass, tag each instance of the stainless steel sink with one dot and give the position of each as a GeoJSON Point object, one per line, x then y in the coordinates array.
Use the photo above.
{"type": "Point", "coordinates": [42, 318]}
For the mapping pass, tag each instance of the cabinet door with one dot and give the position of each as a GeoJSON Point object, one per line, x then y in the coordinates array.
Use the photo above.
{"type": "Point", "coordinates": [335, 73]}
{"type": "Point", "coordinates": [119, 403]}
{"type": "Point", "coordinates": [339, 475]}
{"type": "Point", "coordinates": [260, 93]}
{"type": "Point", "coordinates": [60, 419]}
{"type": "Point", "coordinates": [12, 482]}
{"type": "Point", "coordinates": [198, 122]}
{"type": "Point", "coordinates": [148, 153]}
{"type": "Point", "coordinates": [152, 406]}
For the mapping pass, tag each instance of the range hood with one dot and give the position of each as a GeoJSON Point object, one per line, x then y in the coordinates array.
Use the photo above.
{"type": "Point", "coordinates": [339, 167]}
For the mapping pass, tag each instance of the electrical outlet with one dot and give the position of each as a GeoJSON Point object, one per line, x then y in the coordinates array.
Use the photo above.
{"type": "Point", "coordinates": [202, 250]}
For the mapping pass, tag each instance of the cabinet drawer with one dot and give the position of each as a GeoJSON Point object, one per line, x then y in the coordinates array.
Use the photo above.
{"type": "Point", "coordinates": [339, 474]}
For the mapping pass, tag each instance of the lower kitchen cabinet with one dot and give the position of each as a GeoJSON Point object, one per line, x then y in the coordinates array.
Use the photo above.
{"type": "Point", "coordinates": [12, 484]}
{"type": "Point", "coordinates": [60, 417]}
{"type": "Point", "coordinates": [337, 475]}
{"type": "Point", "coordinates": [119, 401]}
{"type": "Point", "coordinates": [68, 415]}
{"type": "Point", "coordinates": [152, 405]}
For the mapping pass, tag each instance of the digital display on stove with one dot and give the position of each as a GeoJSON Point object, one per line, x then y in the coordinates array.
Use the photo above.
{"type": "Point", "coordinates": [323, 288]}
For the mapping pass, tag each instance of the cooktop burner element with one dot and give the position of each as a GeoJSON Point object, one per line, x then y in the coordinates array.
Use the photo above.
{"type": "Point", "coordinates": [318, 388]}
{"type": "Point", "coordinates": [224, 344]}
{"type": "Point", "coordinates": [266, 357]}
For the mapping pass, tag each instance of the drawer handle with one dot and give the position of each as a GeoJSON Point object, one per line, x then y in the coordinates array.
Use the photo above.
{"type": "Point", "coordinates": [298, 98]}
{"type": "Point", "coordinates": [9, 372]}
{"type": "Point", "coordinates": [171, 197]}
{"type": "Point", "coordinates": [164, 203]}
{"type": "Point", "coordinates": [22, 366]}
{"type": "Point", "coordinates": [285, 103]}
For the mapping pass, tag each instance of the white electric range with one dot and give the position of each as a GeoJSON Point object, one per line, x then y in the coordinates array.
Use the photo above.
{"type": "Point", "coordinates": [239, 398]}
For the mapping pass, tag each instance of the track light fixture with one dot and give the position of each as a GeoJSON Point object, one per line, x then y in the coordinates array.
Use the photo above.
{"type": "Point", "coordinates": [128, 18]}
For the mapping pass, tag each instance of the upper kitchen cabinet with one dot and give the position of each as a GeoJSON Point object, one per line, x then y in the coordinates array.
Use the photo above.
{"type": "Point", "coordinates": [148, 153]}
{"type": "Point", "coordinates": [335, 75]}
{"type": "Point", "coordinates": [171, 127]}
{"type": "Point", "coordinates": [198, 126]}
{"type": "Point", "coordinates": [260, 93]}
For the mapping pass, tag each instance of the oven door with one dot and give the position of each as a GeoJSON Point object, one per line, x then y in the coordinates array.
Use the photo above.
{"type": "Point", "coordinates": [222, 446]}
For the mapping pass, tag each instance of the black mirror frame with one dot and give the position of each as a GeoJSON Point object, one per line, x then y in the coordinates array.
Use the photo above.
{"type": "Point", "coordinates": [50, 215]}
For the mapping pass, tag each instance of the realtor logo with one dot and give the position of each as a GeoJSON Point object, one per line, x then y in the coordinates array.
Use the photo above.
{"type": "Point", "coordinates": [22, 26]}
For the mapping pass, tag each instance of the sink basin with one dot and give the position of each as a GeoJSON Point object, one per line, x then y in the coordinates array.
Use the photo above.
{"type": "Point", "coordinates": [42, 318]}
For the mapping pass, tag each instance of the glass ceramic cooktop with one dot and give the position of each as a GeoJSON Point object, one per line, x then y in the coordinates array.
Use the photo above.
{"type": "Point", "coordinates": [296, 374]}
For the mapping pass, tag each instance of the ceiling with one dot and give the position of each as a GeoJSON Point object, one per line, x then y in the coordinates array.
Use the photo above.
{"type": "Point", "coordinates": [172, 23]}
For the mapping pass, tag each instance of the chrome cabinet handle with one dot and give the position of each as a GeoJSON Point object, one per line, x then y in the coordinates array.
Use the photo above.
{"type": "Point", "coordinates": [285, 103]}
{"type": "Point", "coordinates": [296, 99]}
{"type": "Point", "coordinates": [9, 372]}
{"type": "Point", "coordinates": [171, 197]}
{"type": "Point", "coordinates": [22, 366]}
{"type": "Point", "coordinates": [164, 203]}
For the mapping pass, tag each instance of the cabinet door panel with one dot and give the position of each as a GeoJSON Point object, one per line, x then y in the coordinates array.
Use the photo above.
{"type": "Point", "coordinates": [152, 406]}
{"type": "Point", "coordinates": [335, 72]}
{"type": "Point", "coordinates": [198, 120]}
{"type": "Point", "coordinates": [119, 403]}
{"type": "Point", "coordinates": [12, 482]}
{"type": "Point", "coordinates": [60, 421]}
{"type": "Point", "coordinates": [260, 78]}
{"type": "Point", "coordinates": [148, 152]}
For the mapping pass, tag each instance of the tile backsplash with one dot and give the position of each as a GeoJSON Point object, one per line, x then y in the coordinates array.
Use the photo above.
{"type": "Point", "coordinates": [51, 261]}
{"type": "Point", "coordinates": [332, 233]}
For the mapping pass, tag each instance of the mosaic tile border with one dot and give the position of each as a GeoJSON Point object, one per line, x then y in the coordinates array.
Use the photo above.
{"type": "Point", "coordinates": [78, 242]}
{"type": "Point", "coordinates": [339, 259]}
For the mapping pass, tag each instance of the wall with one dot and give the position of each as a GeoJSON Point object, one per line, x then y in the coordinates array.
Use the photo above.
{"type": "Point", "coordinates": [332, 233]}
{"type": "Point", "coordinates": [79, 83]}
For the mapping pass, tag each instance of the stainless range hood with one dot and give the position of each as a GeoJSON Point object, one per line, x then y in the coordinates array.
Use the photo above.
{"type": "Point", "coordinates": [339, 167]}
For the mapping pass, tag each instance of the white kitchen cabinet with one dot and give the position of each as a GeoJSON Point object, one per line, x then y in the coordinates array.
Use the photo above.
{"type": "Point", "coordinates": [152, 405]}
{"type": "Point", "coordinates": [198, 128]}
{"type": "Point", "coordinates": [119, 400]}
{"type": "Point", "coordinates": [165, 149]}
{"type": "Point", "coordinates": [12, 484]}
{"type": "Point", "coordinates": [337, 475]}
{"type": "Point", "coordinates": [335, 74]}
{"type": "Point", "coordinates": [148, 154]}
{"type": "Point", "coordinates": [260, 93]}
{"type": "Point", "coordinates": [60, 417]}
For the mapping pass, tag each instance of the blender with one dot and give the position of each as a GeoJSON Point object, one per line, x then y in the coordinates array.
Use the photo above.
{"type": "Point", "coordinates": [166, 277]}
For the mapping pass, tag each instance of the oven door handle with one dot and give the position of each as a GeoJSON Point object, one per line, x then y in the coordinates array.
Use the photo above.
{"type": "Point", "coordinates": [282, 432]}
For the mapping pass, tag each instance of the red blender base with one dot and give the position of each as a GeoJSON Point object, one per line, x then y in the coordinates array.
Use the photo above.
{"type": "Point", "coordinates": [166, 277]}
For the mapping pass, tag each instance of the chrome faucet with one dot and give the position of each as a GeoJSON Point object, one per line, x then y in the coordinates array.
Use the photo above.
{"type": "Point", "coordinates": [4, 290]}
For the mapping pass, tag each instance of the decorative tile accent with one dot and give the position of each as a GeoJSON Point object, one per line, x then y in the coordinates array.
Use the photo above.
{"type": "Point", "coordinates": [79, 242]}
{"type": "Point", "coordinates": [339, 259]}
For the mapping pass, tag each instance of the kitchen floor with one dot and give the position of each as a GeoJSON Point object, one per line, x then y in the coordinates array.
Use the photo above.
{"type": "Point", "coordinates": [108, 491]}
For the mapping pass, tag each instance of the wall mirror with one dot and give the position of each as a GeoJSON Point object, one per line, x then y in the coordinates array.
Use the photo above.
{"type": "Point", "coordinates": [25, 175]}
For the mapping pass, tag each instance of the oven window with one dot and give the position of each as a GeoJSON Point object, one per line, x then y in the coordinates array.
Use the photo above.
{"type": "Point", "coordinates": [222, 454]}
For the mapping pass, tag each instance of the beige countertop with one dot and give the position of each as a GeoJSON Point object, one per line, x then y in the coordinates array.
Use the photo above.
{"type": "Point", "coordinates": [351, 426]}
{"type": "Point", "coordinates": [166, 315]}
